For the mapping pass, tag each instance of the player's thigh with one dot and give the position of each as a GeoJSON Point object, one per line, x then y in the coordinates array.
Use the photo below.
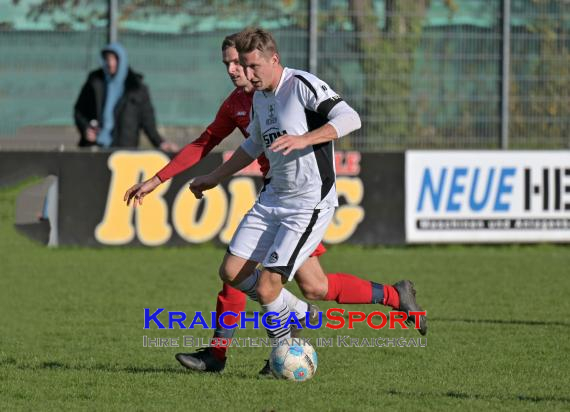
{"type": "Point", "coordinates": [299, 234]}
{"type": "Point", "coordinates": [255, 234]}
{"type": "Point", "coordinates": [312, 279]}
{"type": "Point", "coordinates": [235, 269]}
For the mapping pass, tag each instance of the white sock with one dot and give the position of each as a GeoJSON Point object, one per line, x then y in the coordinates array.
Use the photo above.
{"type": "Point", "coordinates": [278, 306]}
{"type": "Point", "coordinates": [300, 307]}
{"type": "Point", "coordinates": [248, 285]}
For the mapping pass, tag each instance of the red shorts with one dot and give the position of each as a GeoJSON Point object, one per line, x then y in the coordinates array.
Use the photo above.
{"type": "Point", "coordinates": [320, 250]}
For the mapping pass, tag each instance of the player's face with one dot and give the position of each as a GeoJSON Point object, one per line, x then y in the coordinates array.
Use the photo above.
{"type": "Point", "coordinates": [261, 70]}
{"type": "Point", "coordinates": [111, 62]}
{"type": "Point", "coordinates": [230, 57]}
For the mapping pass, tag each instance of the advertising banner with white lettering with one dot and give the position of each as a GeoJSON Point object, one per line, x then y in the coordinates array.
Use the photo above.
{"type": "Point", "coordinates": [487, 196]}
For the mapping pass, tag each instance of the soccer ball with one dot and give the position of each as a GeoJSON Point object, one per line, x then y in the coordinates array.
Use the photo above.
{"type": "Point", "coordinates": [293, 359]}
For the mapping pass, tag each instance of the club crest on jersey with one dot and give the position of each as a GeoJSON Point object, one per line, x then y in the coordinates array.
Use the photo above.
{"type": "Point", "coordinates": [272, 119]}
{"type": "Point", "coordinates": [274, 257]}
{"type": "Point", "coordinates": [271, 134]}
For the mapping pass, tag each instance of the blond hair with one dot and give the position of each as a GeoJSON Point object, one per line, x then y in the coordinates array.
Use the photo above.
{"type": "Point", "coordinates": [252, 38]}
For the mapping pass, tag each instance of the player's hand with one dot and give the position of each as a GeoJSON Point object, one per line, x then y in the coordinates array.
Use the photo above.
{"type": "Point", "coordinates": [140, 190]}
{"type": "Point", "coordinates": [201, 184]}
{"type": "Point", "coordinates": [167, 146]}
{"type": "Point", "coordinates": [287, 143]}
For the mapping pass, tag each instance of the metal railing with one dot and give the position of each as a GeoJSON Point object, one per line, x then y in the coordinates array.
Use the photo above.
{"type": "Point", "coordinates": [422, 74]}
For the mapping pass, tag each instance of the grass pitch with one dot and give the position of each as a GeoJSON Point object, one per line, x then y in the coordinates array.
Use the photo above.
{"type": "Point", "coordinates": [71, 331]}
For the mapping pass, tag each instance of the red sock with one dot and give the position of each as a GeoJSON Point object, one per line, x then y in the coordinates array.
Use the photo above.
{"type": "Point", "coordinates": [229, 299]}
{"type": "Point", "coordinates": [345, 288]}
{"type": "Point", "coordinates": [391, 297]}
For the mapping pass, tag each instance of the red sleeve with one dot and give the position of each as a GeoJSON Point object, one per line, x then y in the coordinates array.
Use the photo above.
{"type": "Point", "coordinates": [192, 153]}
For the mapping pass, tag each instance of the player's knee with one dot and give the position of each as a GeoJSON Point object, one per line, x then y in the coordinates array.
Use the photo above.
{"type": "Point", "coordinates": [263, 292]}
{"type": "Point", "coordinates": [226, 274]}
{"type": "Point", "coordinates": [268, 288]}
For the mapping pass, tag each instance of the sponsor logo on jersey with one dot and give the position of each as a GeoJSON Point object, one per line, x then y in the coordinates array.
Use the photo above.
{"type": "Point", "coordinates": [271, 134]}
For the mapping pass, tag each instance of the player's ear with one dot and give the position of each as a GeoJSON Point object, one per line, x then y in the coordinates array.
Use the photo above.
{"type": "Point", "coordinates": [275, 58]}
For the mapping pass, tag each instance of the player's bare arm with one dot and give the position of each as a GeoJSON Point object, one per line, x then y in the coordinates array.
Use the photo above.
{"type": "Point", "coordinates": [287, 143]}
{"type": "Point", "coordinates": [140, 190]}
{"type": "Point", "coordinates": [238, 161]}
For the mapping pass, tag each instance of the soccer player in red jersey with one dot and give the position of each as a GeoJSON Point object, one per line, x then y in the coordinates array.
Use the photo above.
{"type": "Point", "coordinates": [340, 287]}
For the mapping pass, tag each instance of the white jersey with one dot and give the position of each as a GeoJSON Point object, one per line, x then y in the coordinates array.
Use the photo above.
{"type": "Point", "coordinates": [303, 179]}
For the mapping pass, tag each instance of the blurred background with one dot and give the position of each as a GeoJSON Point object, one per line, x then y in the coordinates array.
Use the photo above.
{"type": "Point", "coordinates": [422, 73]}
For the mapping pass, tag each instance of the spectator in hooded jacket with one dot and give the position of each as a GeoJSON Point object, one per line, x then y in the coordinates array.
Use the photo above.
{"type": "Point", "coordinates": [114, 105]}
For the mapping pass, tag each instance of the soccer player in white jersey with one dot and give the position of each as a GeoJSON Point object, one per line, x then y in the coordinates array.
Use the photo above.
{"type": "Point", "coordinates": [295, 119]}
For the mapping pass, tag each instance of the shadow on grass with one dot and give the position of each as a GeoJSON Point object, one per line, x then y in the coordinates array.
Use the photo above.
{"type": "Point", "coordinates": [98, 367]}
{"type": "Point", "coordinates": [474, 396]}
{"type": "Point", "coordinates": [504, 321]}
{"type": "Point", "coordinates": [11, 362]}
{"type": "Point", "coordinates": [54, 365]}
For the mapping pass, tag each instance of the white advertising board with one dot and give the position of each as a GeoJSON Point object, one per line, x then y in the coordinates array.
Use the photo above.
{"type": "Point", "coordinates": [487, 196]}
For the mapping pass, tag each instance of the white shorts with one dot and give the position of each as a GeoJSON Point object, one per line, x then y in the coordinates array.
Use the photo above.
{"type": "Point", "coordinates": [280, 238]}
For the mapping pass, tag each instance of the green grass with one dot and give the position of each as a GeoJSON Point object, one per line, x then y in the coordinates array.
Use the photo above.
{"type": "Point", "coordinates": [71, 331]}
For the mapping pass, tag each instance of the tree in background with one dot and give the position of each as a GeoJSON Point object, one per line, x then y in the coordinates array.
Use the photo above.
{"type": "Point", "coordinates": [387, 60]}
{"type": "Point", "coordinates": [378, 48]}
{"type": "Point", "coordinates": [540, 82]}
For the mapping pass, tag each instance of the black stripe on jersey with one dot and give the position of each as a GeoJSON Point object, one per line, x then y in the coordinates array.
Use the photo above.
{"type": "Point", "coordinates": [308, 84]}
{"type": "Point", "coordinates": [314, 120]}
{"type": "Point", "coordinates": [265, 183]}
{"type": "Point", "coordinates": [325, 162]}
{"type": "Point", "coordinates": [323, 152]}
{"type": "Point", "coordinates": [326, 106]}
{"type": "Point", "coordinates": [286, 270]}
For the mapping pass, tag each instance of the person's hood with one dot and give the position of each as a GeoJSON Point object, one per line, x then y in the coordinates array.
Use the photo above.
{"type": "Point", "coordinates": [123, 63]}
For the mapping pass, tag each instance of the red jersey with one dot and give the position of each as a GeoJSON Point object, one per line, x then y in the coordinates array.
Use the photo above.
{"type": "Point", "coordinates": [234, 112]}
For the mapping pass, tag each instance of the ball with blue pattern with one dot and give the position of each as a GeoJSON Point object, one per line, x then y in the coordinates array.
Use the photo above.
{"type": "Point", "coordinates": [296, 350]}
{"type": "Point", "coordinates": [293, 359]}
